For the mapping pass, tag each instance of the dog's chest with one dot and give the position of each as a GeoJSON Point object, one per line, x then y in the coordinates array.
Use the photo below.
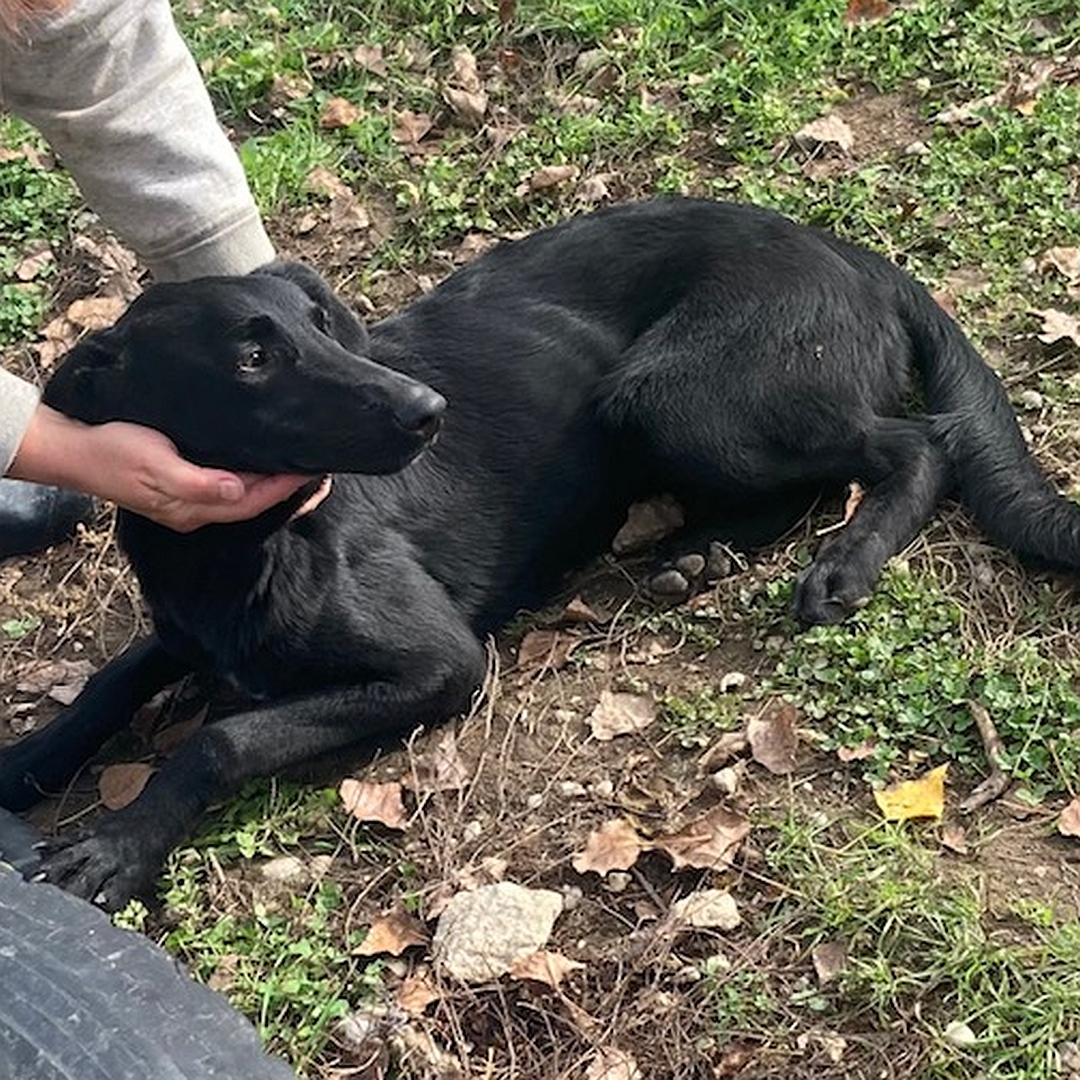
{"type": "Point", "coordinates": [224, 617]}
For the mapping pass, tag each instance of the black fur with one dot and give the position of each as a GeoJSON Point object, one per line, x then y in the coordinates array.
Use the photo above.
{"type": "Point", "coordinates": [715, 351]}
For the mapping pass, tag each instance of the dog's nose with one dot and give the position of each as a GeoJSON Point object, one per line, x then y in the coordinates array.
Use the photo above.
{"type": "Point", "coordinates": [420, 411]}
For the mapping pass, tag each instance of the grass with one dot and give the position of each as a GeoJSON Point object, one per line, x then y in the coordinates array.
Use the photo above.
{"type": "Point", "coordinates": [922, 953]}
{"type": "Point", "coordinates": [36, 204]}
{"type": "Point", "coordinates": [283, 952]}
{"type": "Point", "coordinates": [899, 674]}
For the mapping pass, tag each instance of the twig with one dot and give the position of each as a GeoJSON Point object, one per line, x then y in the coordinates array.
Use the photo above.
{"type": "Point", "coordinates": [998, 781]}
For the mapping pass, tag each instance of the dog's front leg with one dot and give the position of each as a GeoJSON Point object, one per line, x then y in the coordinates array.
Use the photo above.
{"type": "Point", "coordinates": [122, 856]}
{"type": "Point", "coordinates": [44, 762]}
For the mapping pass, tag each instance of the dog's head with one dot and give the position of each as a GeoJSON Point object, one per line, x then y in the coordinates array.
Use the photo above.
{"type": "Point", "coordinates": [266, 373]}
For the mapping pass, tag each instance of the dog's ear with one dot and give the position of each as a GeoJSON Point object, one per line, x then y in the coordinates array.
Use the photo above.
{"type": "Point", "coordinates": [87, 383]}
{"type": "Point", "coordinates": [342, 325]}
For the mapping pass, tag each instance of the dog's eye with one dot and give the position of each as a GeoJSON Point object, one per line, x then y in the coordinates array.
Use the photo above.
{"type": "Point", "coordinates": [252, 359]}
{"type": "Point", "coordinates": [320, 320]}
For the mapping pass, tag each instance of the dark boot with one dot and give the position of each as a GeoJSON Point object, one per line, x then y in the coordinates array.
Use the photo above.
{"type": "Point", "coordinates": [33, 517]}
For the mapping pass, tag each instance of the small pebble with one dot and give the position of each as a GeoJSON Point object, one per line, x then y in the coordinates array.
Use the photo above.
{"type": "Point", "coordinates": [617, 881]}
{"type": "Point", "coordinates": [958, 1034]}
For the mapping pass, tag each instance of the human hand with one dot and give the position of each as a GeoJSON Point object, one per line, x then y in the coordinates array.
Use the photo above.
{"type": "Point", "coordinates": [139, 469]}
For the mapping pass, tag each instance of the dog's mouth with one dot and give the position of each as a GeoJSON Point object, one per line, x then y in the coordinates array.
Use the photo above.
{"type": "Point", "coordinates": [317, 496]}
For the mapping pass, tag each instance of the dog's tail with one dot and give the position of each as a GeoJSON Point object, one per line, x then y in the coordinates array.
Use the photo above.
{"type": "Point", "coordinates": [972, 420]}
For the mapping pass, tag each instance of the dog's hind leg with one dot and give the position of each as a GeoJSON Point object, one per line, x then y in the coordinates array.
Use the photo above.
{"type": "Point", "coordinates": [908, 476]}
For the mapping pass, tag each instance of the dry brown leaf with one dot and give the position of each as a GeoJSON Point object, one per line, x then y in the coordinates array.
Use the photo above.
{"type": "Point", "coordinates": [38, 159]}
{"type": "Point", "coordinates": [171, 738]}
{"type": "Point", "coordinates": [826, 130]}
{"type": "Point", "coordinates": [610, 1063]}
{"type": "Point", "coordinates": [348, 214]}
{"type": "Point", "coordinates": [59, 679]}
{"type": "Point", "coordinates": [954, 837]}
{"type": "Point", "coordinates": [736, 1057]}
{"type": "Point", "coordinates": [410, 127]}
{"type": "Point", "coordinates": [416, 992]}
{"type": "Point", "coordinates": [860, 11]}
{"type": "Point", "coordinates": [95, 312]}
{"type": "Point", "coordinates": [545, 967]}
{"type": "Point", "coordinates": [391, 934]}
{"type": "Point", "coordinates": [121, 784]}
{"type": "Point", "coordinates": [594, 189]}
{"type": "Point", "coordinates": [287, 88]}
{"type": "Point", "coordinates": [440, 767]}
{"type": "Point", "coordinates": [1058, 326]}
{"type": "Point", "coordinates": [468, 107]}
{"type": "Point", "coordinates": [773, 738]}
{"type": "Point", "coordinates": [373, 802]}
{"type": "Point", "coordinates": [464, 92]}
{"type": "Point", "coordinates": [830, 960]}
{"type": "Point", "coordinates": [855, 495]}
{"type": "Point", "coordinates": [322, 181]}
{"type": "Point", "coordinates": [32, 265]}
{"type": "Point", "coordinates": [548, 176]}
{"type": "Point", "coordinates": [614, 846]}
{"type": "Point", "coordinates": [728, 746]}
{"type": "Point", "coordinates": [621, 714]}
{"type": "Point", "coordinates": [545, 650]}
{"type": "Point", "coordinates": [507, 10]}
{"type": "Point", "coordinates": [339, 112]}
{"type": "Point", "coordinates": [647, 523]}
{"type": "Point", "coordinates": [370, 58]}
{"type": "Point", "coordinates": [857, 753]}
{"type": "Point", "coordinates": [59, 335]}
{"type": "Point", "coordinates": [1065, 260]}
{"type": "Point", "coordinates": [577, 611]}
{"type": "Point", "coordinates": [921, 798]}
{"type": "Point", "coordinates": [708, 842]}
{"type": "Point", "coordinates": [1069, 822]}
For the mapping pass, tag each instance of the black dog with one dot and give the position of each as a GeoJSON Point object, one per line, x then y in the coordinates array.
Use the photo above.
{"type": "Point", "coordinates": [718, 352]}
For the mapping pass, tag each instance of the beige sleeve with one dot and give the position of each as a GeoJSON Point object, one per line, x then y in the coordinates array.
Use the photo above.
{"type": "Point", "coordinates": [18, 399]}
{"type": "Point", "coordinates": [113, 88]}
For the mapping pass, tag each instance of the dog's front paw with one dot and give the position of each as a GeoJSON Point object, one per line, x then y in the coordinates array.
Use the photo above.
{"type": "Point", "coordinates": [108, 866]}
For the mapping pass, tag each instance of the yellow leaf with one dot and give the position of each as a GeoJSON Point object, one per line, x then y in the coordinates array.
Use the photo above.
{"type": "Point", "coordinates": [922, 798]}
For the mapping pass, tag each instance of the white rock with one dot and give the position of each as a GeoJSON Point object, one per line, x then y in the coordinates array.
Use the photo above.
{"type": "Point", "coordinates": [480, 934]}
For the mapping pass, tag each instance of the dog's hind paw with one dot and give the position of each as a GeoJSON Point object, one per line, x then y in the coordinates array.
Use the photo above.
{"type": "Point", "coordinates": [677, 579]}
{"type": "Point", "coordinates": [826, 594]}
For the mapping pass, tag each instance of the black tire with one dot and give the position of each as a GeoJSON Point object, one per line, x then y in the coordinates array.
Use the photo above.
{"type": "Point", "coordinates": [81, 999]}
